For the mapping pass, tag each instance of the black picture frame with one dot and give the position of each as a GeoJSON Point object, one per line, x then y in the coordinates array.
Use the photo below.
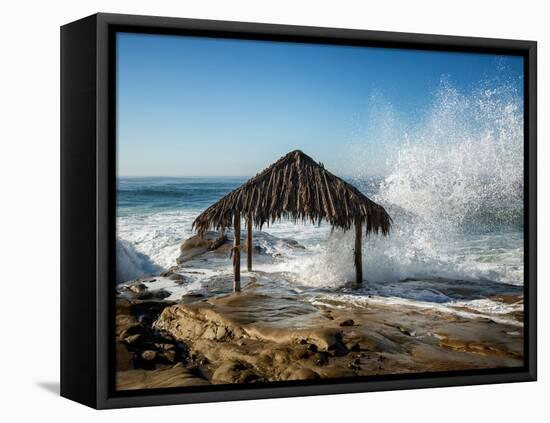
{"type": "Point", "coordinates": [88, 133]}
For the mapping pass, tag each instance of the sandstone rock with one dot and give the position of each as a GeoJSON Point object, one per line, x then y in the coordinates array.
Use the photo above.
{"type": "Point", "coordinates": [175, 376]}
{"type": "Point", "coordinates": [196, 245]}
{"type": "Point", "coordinates": [214, 241]}
{"type": "Point", "coordinates": [124, 358]}
{"type": "Point", "coordinates": [249, 337]}
{"type": "Point", "coordinates": [302, 373]}
{"type": "Point", "coordinates": [136, 287]}
{"type": "Point", "coordinates": [149, 355]}
{"type": "Point", "coordinates": [165, 347]}
{"type": "Point", "coordinates": [234, 372]}
{"type": "Point", "coordinates": [125, 330]}
{"type": "Point", "coordinates": [132, 339]}
{"type": "Point", "coordinates": [209, 333]}
{"type": "Point", "coordinates": [168, 272]}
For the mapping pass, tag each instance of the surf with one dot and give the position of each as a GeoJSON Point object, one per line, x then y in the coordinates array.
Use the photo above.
{"type": "Point", "coordinates": [454, 189]}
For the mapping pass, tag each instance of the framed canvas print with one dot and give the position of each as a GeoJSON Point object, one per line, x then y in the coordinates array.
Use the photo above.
{"type": "Point", "coordinates": [255, 211]}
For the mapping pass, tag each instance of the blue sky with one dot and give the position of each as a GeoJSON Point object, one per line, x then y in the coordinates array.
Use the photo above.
{"type": "Point", "coordinates": [192, 106]}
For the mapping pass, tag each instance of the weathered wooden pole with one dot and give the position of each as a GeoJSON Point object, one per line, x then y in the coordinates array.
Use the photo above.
{"type": "Point", "coordinates": [237, 252]}
{"type": "Point", "coordinates": [357, 254]}
{"type": "Point", "coordinates": [249, 242]}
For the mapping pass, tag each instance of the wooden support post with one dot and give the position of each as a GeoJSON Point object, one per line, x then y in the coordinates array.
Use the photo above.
{"type": "Point", "coordinates": [237, 253]}
{"type": "Point", "coordinates": [249, 242]}
{"type": "Point", "coordinates": [357, 254]}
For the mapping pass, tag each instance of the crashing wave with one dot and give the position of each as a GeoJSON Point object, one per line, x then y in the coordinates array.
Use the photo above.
{"type": "Point", "coordinates": [132, 264]}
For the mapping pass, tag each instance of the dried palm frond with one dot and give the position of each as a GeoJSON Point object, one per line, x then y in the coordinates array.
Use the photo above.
{"type": "Point", "coordinates": [296, 187]}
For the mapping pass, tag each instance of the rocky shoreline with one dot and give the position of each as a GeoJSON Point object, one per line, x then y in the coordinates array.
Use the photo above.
{"type": "Point", "coordinates": [259, 336]}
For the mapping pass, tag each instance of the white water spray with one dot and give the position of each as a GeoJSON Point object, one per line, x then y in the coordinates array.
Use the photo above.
{"type": "Point", "coordinates": [454, 189]}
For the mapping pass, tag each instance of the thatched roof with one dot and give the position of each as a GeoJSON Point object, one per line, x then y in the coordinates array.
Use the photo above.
{"type": "Point", "coordinates": [298, 188]}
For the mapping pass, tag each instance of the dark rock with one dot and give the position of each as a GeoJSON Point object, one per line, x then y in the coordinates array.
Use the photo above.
{"type": "Point", "coordinates": [300, 353]}
{"type": "Point", "coordinates": [353, 366]}
{"type": "Point", "coordinates": [148, 311]}
{"type": "Point", "coordinates": [217, 243]}
{"type": "Point", "coordinates": [191, 297]}
{"type": "Point", "coordinates": [256, 249]}
{"type": "Point", "coordinates": [312, 348]}
{"type": "Point", "coordinates": [354, 347]}
{"type": "Point", "coordinates": [407, 332]}
{"type": "Point", "coordinates": [158, 294]}
{"type": "Point", "coordinates": [322, 358]}
{"type": "Point", "coordinates": [169, 356]}
{"type": "Point", "coordinates": [337, 347]}
{"type": "Point", "coordinates": [348, 322]}
{"type": "Point", "coordinates": [293, 243]}
{"type": "Point", "coordinates": [176, 277]}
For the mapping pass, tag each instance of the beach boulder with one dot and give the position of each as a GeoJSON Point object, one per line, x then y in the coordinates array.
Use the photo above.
{"type": "Point", "coordinates": [214, 242]}
{"type": "Point", "coordinates": [196, 245]}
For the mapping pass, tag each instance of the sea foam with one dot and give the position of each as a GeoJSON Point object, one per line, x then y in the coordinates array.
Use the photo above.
{"type": "Point", "coordinates": [454, 188]}
{"type": "Point", "coordinates": [132, 264]}
{"type": "Point", "coordinates": [453, 185]}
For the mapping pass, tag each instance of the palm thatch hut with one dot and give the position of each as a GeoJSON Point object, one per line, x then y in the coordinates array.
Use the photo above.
{"type": "Point", "coordinates": [295, 187]}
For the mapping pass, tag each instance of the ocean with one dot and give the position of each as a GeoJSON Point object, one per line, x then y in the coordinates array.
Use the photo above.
{"type": "Point", "coordinates": [420, 261]}
{"type": "Point", "coordinates": [453, 186]}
